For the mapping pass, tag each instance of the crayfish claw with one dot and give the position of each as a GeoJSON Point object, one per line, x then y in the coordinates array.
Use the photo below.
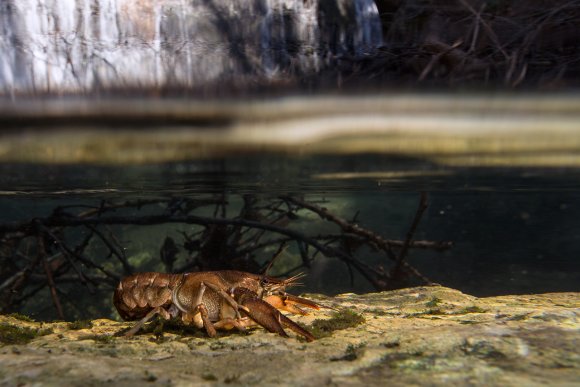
{"type": "Point", "coordinates": [270, 318]}
{"type": "Point", "coordinates": [264, 314]}
{"type": "Point", "coordinates": [291, 303]}
{"type": "Point", "coordinates": [296, 328]}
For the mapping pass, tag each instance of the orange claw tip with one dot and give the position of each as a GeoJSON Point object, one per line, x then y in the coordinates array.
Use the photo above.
{"type": "Point", "coordinates": [291, 303]}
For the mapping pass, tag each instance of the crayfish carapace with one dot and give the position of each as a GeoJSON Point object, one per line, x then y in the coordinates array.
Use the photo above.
{"type": "Point", "coordinates": [211, 300]}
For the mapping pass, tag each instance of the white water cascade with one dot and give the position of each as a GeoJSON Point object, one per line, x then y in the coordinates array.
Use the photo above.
{"type": "Point", "coordinates": [76, 46]}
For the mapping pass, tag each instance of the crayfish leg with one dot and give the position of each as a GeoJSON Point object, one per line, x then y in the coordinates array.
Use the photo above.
{"type": "Point", "coordinates": [199, 308]}
{"type": "Point", "coordinates": [229, 323]}
{"type": "Point", "coordinates": [229, 299]}
{"type": "Point", "coordinates": [152, 313]}
{"type": "Point", "coordinates": [208, 325]}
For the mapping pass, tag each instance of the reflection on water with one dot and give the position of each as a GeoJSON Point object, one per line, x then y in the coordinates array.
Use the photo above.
{"type": "Point", "coordinates": [472, 130]}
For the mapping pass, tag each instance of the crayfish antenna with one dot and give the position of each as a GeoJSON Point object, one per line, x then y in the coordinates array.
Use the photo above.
{"type": "Point", "coordinates": [293, 281]}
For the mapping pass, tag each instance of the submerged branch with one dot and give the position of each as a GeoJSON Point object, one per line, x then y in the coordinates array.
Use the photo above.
{"type": "Point", "coordinates": [420, 210]}
{"type": "Point", "coordinates": [238, 242]}
{"type": "Point", "coordinates": [119, 254]}
{"type": "Point", "coordinates": [377, 240]}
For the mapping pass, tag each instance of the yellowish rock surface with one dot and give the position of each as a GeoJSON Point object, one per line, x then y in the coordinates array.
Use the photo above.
{"type": "Point", "coordinates": [416, 336]}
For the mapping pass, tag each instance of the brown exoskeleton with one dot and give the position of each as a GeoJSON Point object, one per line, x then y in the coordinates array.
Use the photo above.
{"type": "Point", "coordinates": [212, 300]}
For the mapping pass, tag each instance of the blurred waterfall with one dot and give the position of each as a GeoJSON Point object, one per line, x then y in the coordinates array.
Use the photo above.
{"type": "Point", "coordinates": [60, 46]}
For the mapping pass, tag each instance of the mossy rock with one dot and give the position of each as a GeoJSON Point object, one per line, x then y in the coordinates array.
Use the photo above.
{"type": "Point", "coordinates": [13, 334]}
{"type": "Point", "coordinates": [339, 320]}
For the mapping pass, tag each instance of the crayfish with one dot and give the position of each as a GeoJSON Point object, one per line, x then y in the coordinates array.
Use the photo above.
{"type": "Point", "coordinates": [211, 300]}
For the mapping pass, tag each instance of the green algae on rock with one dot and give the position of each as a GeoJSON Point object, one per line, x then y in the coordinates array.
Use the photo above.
{"type": "Point", "coordinates": [80, 324]}
{"type": "Point", "coordinates": [21, 317]}
{"type": "Point", "coordinates": [14, 334]}
{"type": "Point", "coordinates": [341, 319]}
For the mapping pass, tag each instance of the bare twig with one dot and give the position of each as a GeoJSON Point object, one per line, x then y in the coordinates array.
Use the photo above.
{"type": "Point", "coordinates": [458, 57]}
{"type": "Point", "coordinates": [415, 244]}
{"type": "Point", "coordinates": [403, 252]}
{"type": "Point", "coordinates": [379, 241]}
{"type": "Point", "coordinates": [49, 279]}
{"type": "Point", "coordinates": [420, 210]}
{"type": "Point", "coordinates": [278, 252]}
{"type": "Point", "coordinates": [346, 226]}
{"type": "Point", "coordinates": [490, 32]}
{"type": "Point", "coordinates": [66, 250]}
{"type": "Point", "coordinates": [119, 254]}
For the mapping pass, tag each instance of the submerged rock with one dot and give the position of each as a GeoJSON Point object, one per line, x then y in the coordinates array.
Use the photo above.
{"type": "Point", "coordinates": [417, 336]}
{"type": "Point", "coordinates": [78, 46]}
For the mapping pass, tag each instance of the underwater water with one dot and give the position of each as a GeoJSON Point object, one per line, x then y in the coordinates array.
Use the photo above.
{"type": "Point", "coordinates": [513, 223]}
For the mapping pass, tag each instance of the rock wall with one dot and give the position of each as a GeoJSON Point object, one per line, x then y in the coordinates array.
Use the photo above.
{"type": "Point", "coordinates": [80, 45]}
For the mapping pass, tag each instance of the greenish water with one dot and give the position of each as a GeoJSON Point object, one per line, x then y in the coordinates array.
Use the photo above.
{"type": "Point", "coordinates": [508, 200]}
{"type": "Point", "coordinates": [513, 230]}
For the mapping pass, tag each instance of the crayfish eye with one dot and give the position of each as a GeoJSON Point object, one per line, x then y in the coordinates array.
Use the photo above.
{"type": "Point", "coordinates": [264, 282]}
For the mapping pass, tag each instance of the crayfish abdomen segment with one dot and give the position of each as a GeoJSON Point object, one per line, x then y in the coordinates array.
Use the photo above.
{"type": "Point", "coordinates": [139, 293]}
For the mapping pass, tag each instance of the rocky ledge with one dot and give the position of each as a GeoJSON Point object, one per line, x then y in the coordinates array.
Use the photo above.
{"type": "Point", "coordinates": [417, 336]}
